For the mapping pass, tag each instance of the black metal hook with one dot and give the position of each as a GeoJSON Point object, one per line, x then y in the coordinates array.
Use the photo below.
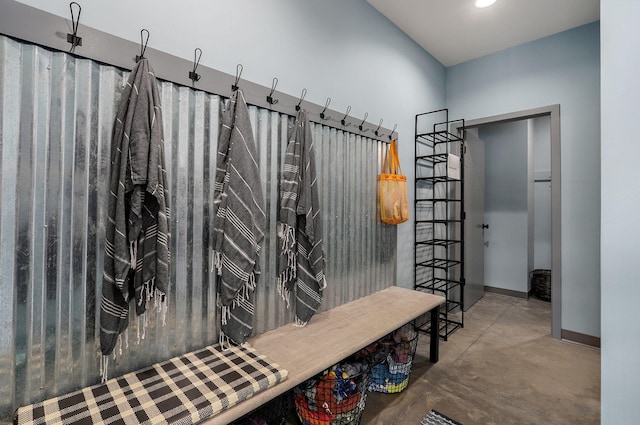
{"type": "Point", "coordinates": [343, 121]}
{"type": "Point", "coordinates": [73, 38]}
{"type": "Point", "coordinates": [360, 127]}
{"type": "Point", "coordinates": [304, 93]}
{"type": "Point", "coordinates": [326, 105]}
{"type": "Point", "coordinates": [143, 44]}
{"type": "Point", "coordinates": [239, 69]}
{"type": "Point", "coordinates": [193, 75]}
{"type": "Point", "coordinates": [270, 99]}
{"type": "Point", "coordinates": [395, 126]}
{"type": "Point", "coordinates": [376, 132]}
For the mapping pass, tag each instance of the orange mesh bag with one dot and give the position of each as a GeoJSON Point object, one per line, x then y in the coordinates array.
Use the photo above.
{"type": "Point", "coordinates": [392, 189]}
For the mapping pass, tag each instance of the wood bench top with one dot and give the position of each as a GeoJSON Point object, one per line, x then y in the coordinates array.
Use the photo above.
{"type": "Point", "coordinates": [330, 337]}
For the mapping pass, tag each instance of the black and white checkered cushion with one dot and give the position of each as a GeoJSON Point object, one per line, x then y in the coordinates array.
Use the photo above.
{"type": "Point", "coordinates": [182, 390]}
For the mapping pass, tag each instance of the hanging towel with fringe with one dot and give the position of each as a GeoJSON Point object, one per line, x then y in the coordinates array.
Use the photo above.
{"type": "Point", "coordinates": [137, 257]}
{"type": "Point", "coordinates": [239, 222]}
{"type": "Point", "coordinates": [301, 263]}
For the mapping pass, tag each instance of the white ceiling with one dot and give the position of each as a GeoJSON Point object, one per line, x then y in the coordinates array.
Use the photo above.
{"type": "Point", "coordinates": [455, 31]}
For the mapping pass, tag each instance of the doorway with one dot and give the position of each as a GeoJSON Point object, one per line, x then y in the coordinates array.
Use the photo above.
{"type": "Point", "coordinates": [475, 224]}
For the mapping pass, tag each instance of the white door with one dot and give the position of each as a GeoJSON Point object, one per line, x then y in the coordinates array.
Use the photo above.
{"type": "Point", "coordinates": [474, 223]}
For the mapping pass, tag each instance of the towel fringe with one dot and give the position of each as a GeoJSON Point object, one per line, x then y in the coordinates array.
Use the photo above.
{"type": "Point", "coordinates": [282, 289]}
{"type": "Point", "coordinates": [216, 262]}
{"type": "Point", "coordinates": [287, 235]}
{"type": "Point", "coordinates": [299, 323]}
{"type": "Point", "coordinates": [145, 292]}
{"type": "Point", "coordinates": [251, 282]}
{"type": "Point", "coordinates": [163, 306]}
{"type": "Point", "coordinates": [133, 253]}
{"type": "Point", "coordinates": [120, 346]}
{"type": "Point", "coordinates": [224, 341]}
{"type": "Point", "coordinates": [225, 313]}
{"type": "Point", "coordinates": [104, 366]}
{"type": "Point", "coordinates": [241, 297]}
{"type": "Point", "coordinates": [323, 282]}
{"type": "Point", "coordinates": [145, 323]}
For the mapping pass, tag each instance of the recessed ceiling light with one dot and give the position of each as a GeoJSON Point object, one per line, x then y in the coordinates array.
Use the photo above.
{"type": "Point", "coordinates": [484, 3]}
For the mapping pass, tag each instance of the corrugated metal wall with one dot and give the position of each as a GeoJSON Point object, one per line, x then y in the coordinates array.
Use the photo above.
{"type": "Point", "coordinates": [56, 116]}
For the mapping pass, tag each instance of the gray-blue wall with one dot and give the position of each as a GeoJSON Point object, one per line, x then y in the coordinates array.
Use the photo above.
{"type": "Point", "coordinates": [564, 69]}
{"type": "Point", "coordinates": [620, 226]}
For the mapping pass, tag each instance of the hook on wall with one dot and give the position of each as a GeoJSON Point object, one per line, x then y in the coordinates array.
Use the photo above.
{"type": "Point", "coordinates": [270, 99]}
{"type": "Point", "coordinates": [193, 75]}
{"type": "Point", "coordinates": [361, 126]}
{"type": "Point", "coordinates": [343, 121]}
{"type": "Point", "coordinates": [304, 93]}
{"type": "Point", "coordinates": [239, 69]}
{"type": "Point", "coordinates": [326, 105]}
{"type": "Point", "coordinates": [395, 126]}
{"type": "Point", "coordinates": [143, 44]}
{"type": "Point", "coordinates": [376, 132]}
{"type": "Point", "coordinates": [73, 38]}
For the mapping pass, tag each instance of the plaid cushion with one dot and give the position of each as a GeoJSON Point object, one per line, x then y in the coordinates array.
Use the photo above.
{"type": "Point", "coordinates": [182, 390]}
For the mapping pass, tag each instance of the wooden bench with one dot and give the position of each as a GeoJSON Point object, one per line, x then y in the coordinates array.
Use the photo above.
{"type": "Point", "coordinates": [333, 335]}
{"type": "Point", "coordinates": [199, 384]}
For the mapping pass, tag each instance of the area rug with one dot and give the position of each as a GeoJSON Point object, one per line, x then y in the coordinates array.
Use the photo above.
{"type": "Point", "coordinates": [436, 418]}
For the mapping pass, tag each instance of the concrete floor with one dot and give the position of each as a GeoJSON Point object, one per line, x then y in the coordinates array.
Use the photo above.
{"type": "Point", "coordinates": [502, 368]}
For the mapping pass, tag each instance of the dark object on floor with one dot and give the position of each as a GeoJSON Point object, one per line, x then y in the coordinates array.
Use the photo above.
{"type": "Point", "coordinates": [541, 284]}
{"type": "Point", "coordinates": [436, 418]}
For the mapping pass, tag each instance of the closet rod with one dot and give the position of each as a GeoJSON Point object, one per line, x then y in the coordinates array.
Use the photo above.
{"type": "Point", "coordinates": [48, 30]}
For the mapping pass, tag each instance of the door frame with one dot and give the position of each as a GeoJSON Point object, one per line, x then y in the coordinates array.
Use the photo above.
{"type": "Point", "coordinates": [552, 111]}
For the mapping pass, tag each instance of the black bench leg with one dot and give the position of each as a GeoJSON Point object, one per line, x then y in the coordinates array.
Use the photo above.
{"type": "Point", "coordinates": [435, 335]}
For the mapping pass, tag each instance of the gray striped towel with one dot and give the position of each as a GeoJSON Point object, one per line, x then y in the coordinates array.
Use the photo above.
{"type": "Point", "coordinates": [239, 222]}
{"type": "Point", "coordinates": [136, 262]}
{"type": "Point", "coordinates": [301, 262]}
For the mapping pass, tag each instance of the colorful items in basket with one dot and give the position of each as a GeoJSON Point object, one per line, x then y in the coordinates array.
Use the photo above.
{"type": "Point", "coordinates": [395, 346]}
{"type": "Point", "coordinates": [383, 380]}
{"type": "Point", "coordinates": [392, 357]}
{"type": "Point", "coordinates": [332, 396]}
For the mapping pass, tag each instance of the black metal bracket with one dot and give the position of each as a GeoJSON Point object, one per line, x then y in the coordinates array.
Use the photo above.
{"type": "Point", "coordinates": [270, 99]}
{"type": "Point", "coordinates": [326, 105]}
{"type": "Point", "coordinates": [73, 38]}
{"type": "Point", "coordinates": [361, 126]}
{"type": "Point", "coordinates": [304, 93]}
{"type": "Point", "coordinates": [343, 121]}
{"type": "Point", "coordinates": [193, 75]}
{"type": "Point", "coordinates": [377, 131]}
{"type": "Point", "coordinates": [143, 44]}
{"type": "Point", "coordinates": [239, 69]}
{"type": "Point", "coordinates": [395, 126]}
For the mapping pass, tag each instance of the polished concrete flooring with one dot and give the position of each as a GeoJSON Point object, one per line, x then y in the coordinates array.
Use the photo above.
{"type": "Point", "coordinates": [502, 368]}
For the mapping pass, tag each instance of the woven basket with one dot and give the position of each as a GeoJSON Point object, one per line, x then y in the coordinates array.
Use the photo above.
{"type": "Point", "coordinates": [541, 284]}
{"type": "Point", "coordinates": [335, 397]}
{"type": "Point", "coordinates": [393, 357]}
